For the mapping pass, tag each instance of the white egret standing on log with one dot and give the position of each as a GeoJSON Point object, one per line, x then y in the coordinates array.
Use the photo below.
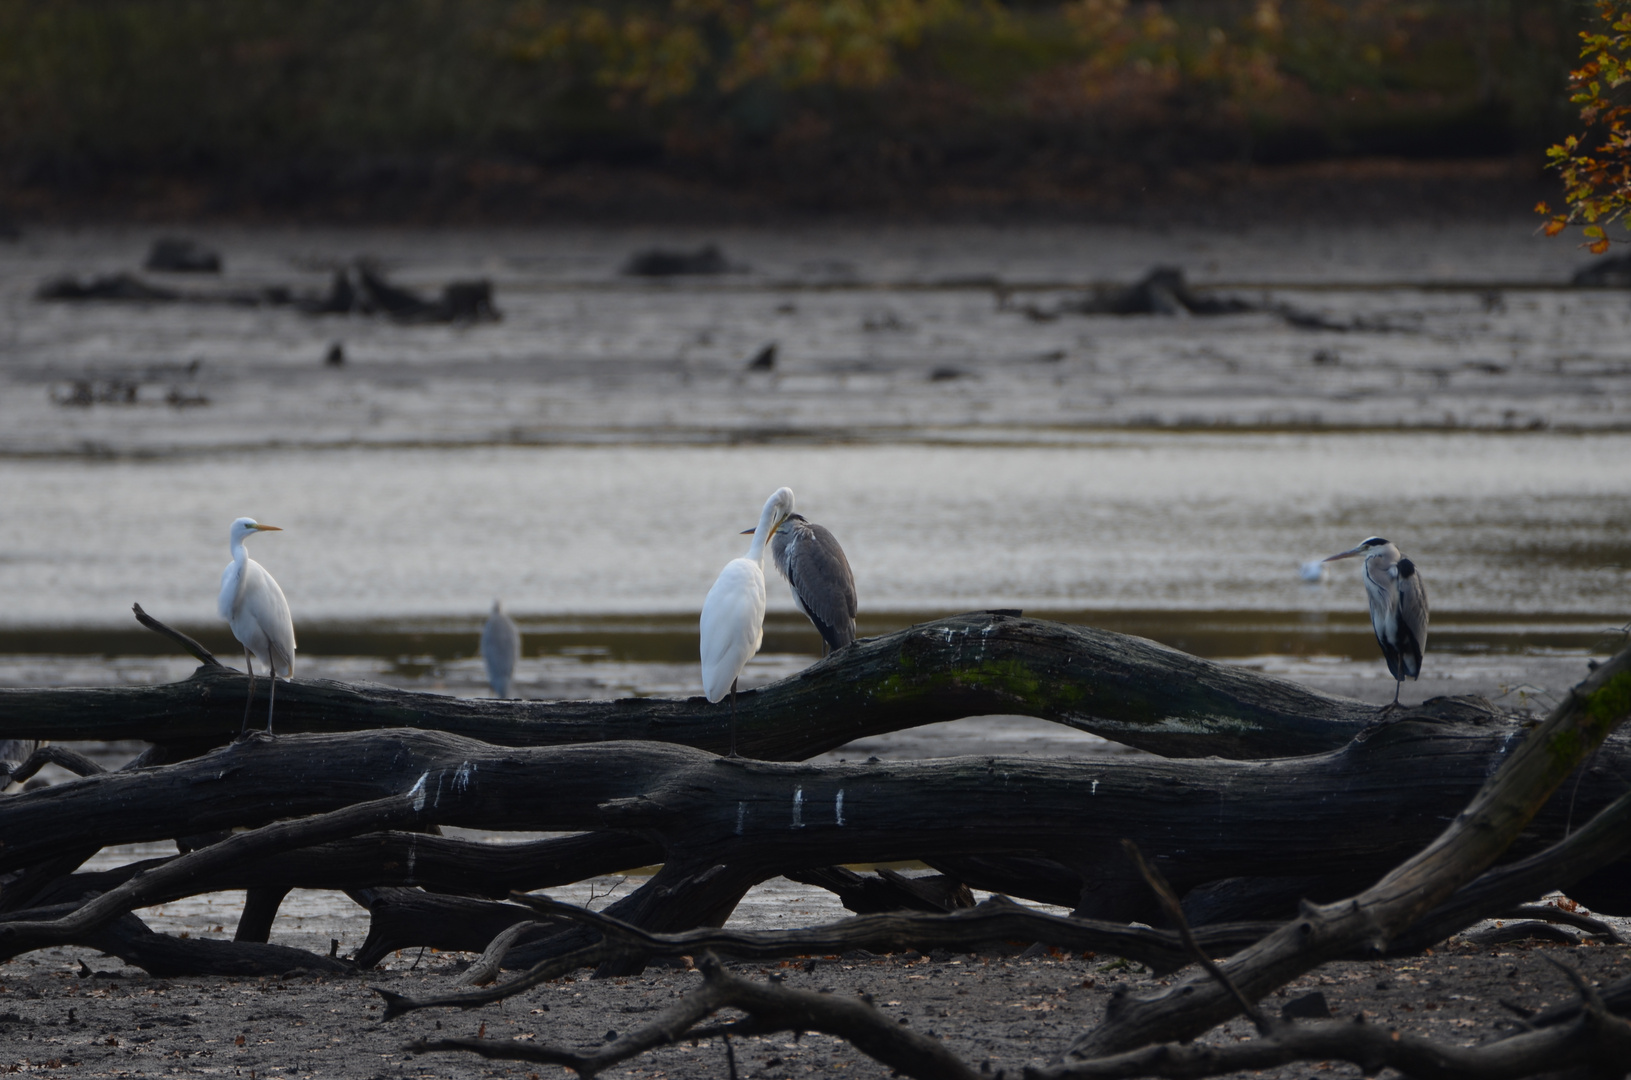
{"type": "Point", "coordinates": [255, 608]}
{"type": "Point", "coordinates": [500, 649]}
{"type": "Point", "coordinates": [819, 577]}
{"type": "Point", "coordinates": [1398, 607]}
{"type": "Point", "coordinates": [733, 616]}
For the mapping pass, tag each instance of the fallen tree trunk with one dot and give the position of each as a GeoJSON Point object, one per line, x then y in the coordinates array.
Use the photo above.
{"type": "Point", "coordinates": [1477, 835]}
{"type": "Point", "coordinates": [1124, 688]}
{"type": "Point", "coordinates": [378, 860]}
{"type": "Point", "coordinates": [725, 824]}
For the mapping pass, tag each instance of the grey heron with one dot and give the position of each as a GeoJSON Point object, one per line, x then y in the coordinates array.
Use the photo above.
{"type": "Point", "coordinates": [500, 649]}
{"type": "Point", "coordinates": [256, 610]}
{"type": "Point", "coordinates": [13, 752]}
{"type": "Point", "coordinates": [733, 616]}
{"type": "Point", "coordinates": [819, 577]}
{"type": "Point", "coordinates": [1398, 606]}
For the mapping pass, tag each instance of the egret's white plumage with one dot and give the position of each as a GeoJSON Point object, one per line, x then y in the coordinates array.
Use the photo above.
{"type": "Point", "coordinates": [1398, 606]}
{"type": "Point", "coordinates": [258, 613]}
{"type": "Point", "coordinates": [733, 615]}
{"type": "Point", "coordinates": [500, 649]}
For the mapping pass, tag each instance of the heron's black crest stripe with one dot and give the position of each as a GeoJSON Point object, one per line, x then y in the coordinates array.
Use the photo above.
{"type": "Point", "coordinates": [1375, 541]}
{"type": "Point", "coordinates": [1406, 568]}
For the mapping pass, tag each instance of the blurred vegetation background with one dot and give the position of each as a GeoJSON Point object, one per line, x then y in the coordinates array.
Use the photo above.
{"type": "Point", "coordinates": [397, 106]}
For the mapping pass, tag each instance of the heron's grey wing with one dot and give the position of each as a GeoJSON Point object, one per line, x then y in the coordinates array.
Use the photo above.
{"type": "Point", "coordinates": [16, 751]}
{"type": "Point", "coordinates": [1412, 615]}
{"type": "Point", "coordinates": [820, 575]}
{"type": "Point", "coordinates": [500, 645]}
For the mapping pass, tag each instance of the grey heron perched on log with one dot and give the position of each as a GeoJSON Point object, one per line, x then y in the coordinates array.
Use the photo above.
{"type": "Point", "coordinates": [819, 577]}
{"type": "Point", "coordinates": [1398, 606]}
{"type": "Point", "coordinates": [256, 610]}
{"type": "Point", "coordinates": [733, 616]}
{"type": "Point", "coordinates": [500, 649]}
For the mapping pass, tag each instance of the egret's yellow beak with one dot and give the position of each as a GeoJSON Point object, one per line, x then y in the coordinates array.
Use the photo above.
{"type": "Point", "coordinates": [778, 524]}
{"type": "Point", "coordinates": [268, 528]}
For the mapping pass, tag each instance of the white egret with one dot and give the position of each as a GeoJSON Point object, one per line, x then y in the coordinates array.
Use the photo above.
{"type": "Point", "coordinates": [1398, 607]}
{"type": "Point", "coordinates": [255, 608]}
{"type": "Point", "coordinates": [733, 616]}
{"type": "Point", "coordinates": [500, 649]}
{"type": "Point", "coordinates": [1312, 571]}
{"type": "Point", "coordinates": [819, 577]}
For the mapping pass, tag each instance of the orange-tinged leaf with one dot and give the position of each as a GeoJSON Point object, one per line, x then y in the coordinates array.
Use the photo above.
{"type": "Point", "coordinates": [1542, 208]}
{"type": "Point", "coordinates": [1599, 247]}
{"type": "Point", "coordinates": [1554, 227]}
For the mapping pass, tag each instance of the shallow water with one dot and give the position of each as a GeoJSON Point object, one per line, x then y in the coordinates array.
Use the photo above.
{"type": "Point", "coordinates": [591, 457]}
{"type": "Point", "coordinates": [1533, 525]}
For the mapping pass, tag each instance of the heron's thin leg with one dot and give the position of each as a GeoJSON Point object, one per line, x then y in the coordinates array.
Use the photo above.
{"type": "Point", "coordinates": [733, 718]}
{"type": "Point", "coordinates": [1398, 684]}
{"type": "Point", "coordinates": [249, 662]}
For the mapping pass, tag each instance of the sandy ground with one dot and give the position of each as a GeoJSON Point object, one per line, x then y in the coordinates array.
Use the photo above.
{"type": "Point", "coordinates": [1001, 1013]}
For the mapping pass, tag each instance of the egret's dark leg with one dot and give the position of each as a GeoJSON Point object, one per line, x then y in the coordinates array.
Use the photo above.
{"type": "Point", "coordinates": [249, 662]}
{"type": "Point", "coordinates": [733, 718]}
{"type": "Point", "coordinates": [270, 698]}
{"type": "Point", "coordinates": [272, 652]}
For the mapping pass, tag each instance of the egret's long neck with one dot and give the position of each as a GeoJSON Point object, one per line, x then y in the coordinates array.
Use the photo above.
{"type": "Point", "coordinates": [239, 554]}
{"type": "Point", "coordinates": [761, 534]}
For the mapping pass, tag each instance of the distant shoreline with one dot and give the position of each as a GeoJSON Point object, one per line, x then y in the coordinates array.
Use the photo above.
{"type": "Point", "coordinates": [430, 191]}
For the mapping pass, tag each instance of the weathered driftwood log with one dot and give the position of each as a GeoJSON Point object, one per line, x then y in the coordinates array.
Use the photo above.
{"type": "Point", "coordinates": [1491, 821]}
{"type": "Point", "coordinates": [134, 942]}
{"type": "Point", "coordinates": [770, 1007]}
{"type": "Point", "coordinates": [408, 918]}
{"type": "Point", "coordinates": [166, 957]}
{"type": "Point", "coordinates": [380, 860]}
{"type": "Point", "coordinates": [21, 935]}
{"type": "Point", "coordinates": [1124, 688]}
{"type": "Point", "coordinates": [726, 824]}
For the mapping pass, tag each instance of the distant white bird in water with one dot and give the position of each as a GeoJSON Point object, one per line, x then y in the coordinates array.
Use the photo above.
{"type": "Point", "coordinates": [818, 574]}
{"type": "Point", "coordinates": [1398, 606]}
{"type": "Point", "coordinates": [733, 616]}
{"type": "Point", "coordinates": [255, 608]}
{"type": "Point", "coordinates": [1312, 571]}
{"type": "Point", "coordinates": [500, 649]}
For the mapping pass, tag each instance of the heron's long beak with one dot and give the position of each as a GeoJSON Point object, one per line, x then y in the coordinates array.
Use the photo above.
{"type": "Point", "coordinates": [268, 528]}
{"type": "Point", "coordinates": [749, 532]}
{"type": "Point", "coordinates": [1348, 554]}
